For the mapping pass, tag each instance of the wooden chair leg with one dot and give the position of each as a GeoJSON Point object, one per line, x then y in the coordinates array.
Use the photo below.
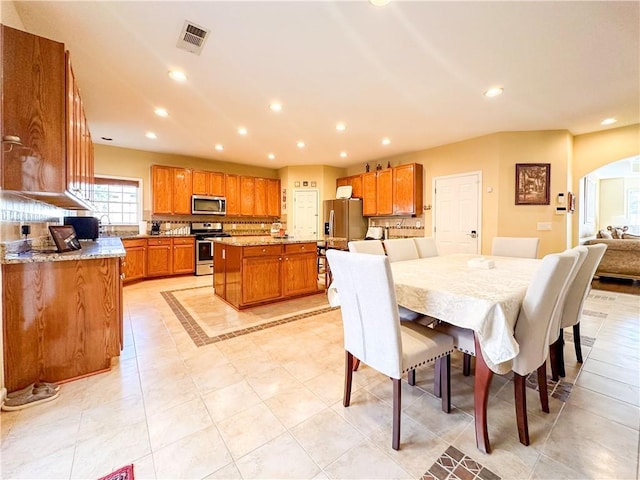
{"type": "Point", "coordinates": [466, 364]}
{"type": "Point", "coordinates": [437, 389]}
{"type": "Point", "coordinates": [445, 382]}
{"type": "Point", "coordinates": [395, 441]}
{"type": "Point", "coordinates": [556, 358]}
{"type": "Point", "coordinates": [411, 377]}
{"type": "Point", "coordinates": [576, 341]}
{"type": "Point", "coordinates": [348, 374]}
{"type": "Point", "coordinates": [542, 387]}
{"type": "Point", "coordinates": [520, 395]}
{"type": "Point", "coordinates": [356, 364]}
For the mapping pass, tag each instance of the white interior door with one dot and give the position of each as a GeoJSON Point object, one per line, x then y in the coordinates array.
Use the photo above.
{"type": "Point", "coordinates": [305, 213]}
{"type": "Point", "coordinates": [457, 213]}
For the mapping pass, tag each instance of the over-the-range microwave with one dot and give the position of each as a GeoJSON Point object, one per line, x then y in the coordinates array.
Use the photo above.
{"type": "Point", "coordinates": [207, 205]}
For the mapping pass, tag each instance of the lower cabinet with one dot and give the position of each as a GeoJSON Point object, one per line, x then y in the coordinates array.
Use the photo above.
{"type": "Point", "coordinates": [159, 257]}
{"type": "Point", "coordinates": [184, 255]}
{"type": "Point", "coordinates": [135, 263]}
{"type": "Point", "coordinates": [250, 275]}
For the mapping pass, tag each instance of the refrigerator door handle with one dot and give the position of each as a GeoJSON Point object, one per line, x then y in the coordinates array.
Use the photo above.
{"type": "Point", "coordinates": [331, 218]}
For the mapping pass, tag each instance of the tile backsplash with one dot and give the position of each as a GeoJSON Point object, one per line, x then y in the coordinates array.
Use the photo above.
{"type": "Point", "coordinates": [16, 211]}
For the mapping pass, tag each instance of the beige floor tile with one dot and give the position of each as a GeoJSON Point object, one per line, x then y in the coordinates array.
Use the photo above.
{"type": "Point", "coordinates": [366, 462]}
{"type": "Point", "coordinates": [295, 405]}
{"type": "Point", "coordinates": [366, 412]}
{"type": "Point", "coordinates": [607, 407]}
{"type": "Point", "coordinates": [226, 402]}
{"type": "Point", "coordinates": [170, 392]}
{"type": "Point", "coordinates": [177, 422]}
{"type": "Point", "coordinates": [228, 472]}
{"type": "Point", "coordinates": [111, 416]}
{"type": "Point", "coordinates": [271, 382]}
{"type": "Point", "coordinates": [329, 386]}
{"type": "Point", "coordinates": [281, 458]}
{"type": "Point", "coordinates": [427, 411]}
{"type": "Point", "coordinates": [612, 388]}
{"type": "Point", "coordinates": [55, 465]}
{"type": "Point", "coordinates": [547, 468]}
{"type": "Point", "coordinates": [144, 469]}
{"type": "Point", "coordinates": [626, 375]}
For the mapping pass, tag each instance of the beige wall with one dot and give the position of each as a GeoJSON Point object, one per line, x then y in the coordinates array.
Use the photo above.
{"type": "Point", "coordinates": [611, 201]}
{"type": "Point", "coordinates": [9, 15]}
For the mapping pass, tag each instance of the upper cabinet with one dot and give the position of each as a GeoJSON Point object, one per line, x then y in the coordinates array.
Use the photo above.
{"type": "Point", "coordinates": [392, 191]}
{"type": "Point", "coordinates": [208, 183]}
{"type": "Point", "coordinates": [171, 190]}
{"type": "Point", "coordinates": [273, 197]}
{"type": "Point", "coordinates": [41, 113]}
{"type": "Point", "coordinates": [232, 188]}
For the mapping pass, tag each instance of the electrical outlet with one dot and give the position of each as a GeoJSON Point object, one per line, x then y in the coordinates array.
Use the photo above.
{"type": "Point", "coordinates": [544, 226]}
{"type": "Point", "coordinates": [418, 224]}
{"type": "Point", "coordinates": [233, 226]}
{"type": "Point", "coordinates": [386, 224]}
{"type": "Point", "coordinates": [262, 225]}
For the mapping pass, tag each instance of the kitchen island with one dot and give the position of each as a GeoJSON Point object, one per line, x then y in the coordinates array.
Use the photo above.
{"type": "Point", "coordinates": [62, 312]}
{"type": "Point", "coordinates": [250, 271]}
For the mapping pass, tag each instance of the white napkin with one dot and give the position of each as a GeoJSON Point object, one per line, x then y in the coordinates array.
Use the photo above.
{"type": "Point", "coordinates": [481, 262]}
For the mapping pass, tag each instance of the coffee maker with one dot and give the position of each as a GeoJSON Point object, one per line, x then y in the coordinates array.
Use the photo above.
{"type": "Point", "coordinates": [155, 227]}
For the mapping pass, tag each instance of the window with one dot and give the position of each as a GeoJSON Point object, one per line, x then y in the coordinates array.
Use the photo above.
{"type": "Point", "coordinates": [633, 210]}
{"type": "Point", "coordinates": [118, 199]}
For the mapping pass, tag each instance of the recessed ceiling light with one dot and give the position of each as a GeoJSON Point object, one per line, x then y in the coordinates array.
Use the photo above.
{"type": "Point", "coordinates": [386, 141]}
{"type": "Point", "coordinates": [379, 3]}
{"type": "Point", "coordinates": [341, 127]}
{"type": "Point", "coordinates": [608, 121]}
{"type": "Point", "coordinates": [242, 131]}
{"type": "Point", "coordinates": [161, 112]}
{"type": "Point", "coordinates": [107, 139]}
{"type": "Point", "coordinates": [151, 135]}
{"type": "Point", "coordinates": [276, 107]}
{"type": "Point", "coordinates": [300, 144]}
{"type": "Point", "coordinates": [494, 92]}
{"type": "Point", "coordinates": [219, 147]}
{"type": "Point", "coordinates": [343, 154]}
{"type": "Point", "coordinates": [178, 75]}
{"type": "Point", "coordinates": [271, 156]}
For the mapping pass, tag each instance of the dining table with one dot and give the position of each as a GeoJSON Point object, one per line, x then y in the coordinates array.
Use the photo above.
{"type": "Point", "coordinates": [483, 294]}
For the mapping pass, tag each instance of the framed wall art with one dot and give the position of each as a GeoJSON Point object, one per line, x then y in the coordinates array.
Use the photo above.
{"type": "Point", "coordinates": [533, 183]}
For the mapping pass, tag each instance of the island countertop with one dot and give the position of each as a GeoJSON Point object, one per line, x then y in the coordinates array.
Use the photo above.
{"type": "Point", "coordinates": [258, 241]}
{"type": "Point", "coordinates": [104, 247]}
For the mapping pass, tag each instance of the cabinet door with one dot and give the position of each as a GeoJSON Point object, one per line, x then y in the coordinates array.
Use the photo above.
{"type": "Point", "coordinates": [33, 109]}
{"type": "Point", "coordinates": [216, 184]}
{"type": "Point", "coordinates": [407, 189]}
{"type": "Point", "coordinates": [219, 269]}
{"type": "Point", "coordinates": [184, 255]}
{"type": "Point", "coordinates": [260, 279]}
{"type": "Point", "coordinates": [385, 192]}
{"type": "Point", "coordinates": [273, 198]}
{"type": "Point", "coordinates": [342, 182]}
{"type": "Point", "coordinates": [159, 260]}
{"type": "Point", "coordinates": [232, 189]}
{"type": "Point", "coordinates": [247, 197]}
{"type": "Point", "coordinates": [161, 190]}
{"type": "Point", "coordinates": [369, 194]}
{"type": "Point", "coordinates": [300, 272]}
{"type": "Point", "coordinates": [356, 185]}
{"type": "Point", "coordinates": [181, 191]}
{"type": "Point", "coordinates": [200, 182]}
{"type": "Point", "coordinates": [135, 264]}
{"type": "Point", "coordinates": [72, 135]}
{"type": "Point", "coordinates": [261, 207]}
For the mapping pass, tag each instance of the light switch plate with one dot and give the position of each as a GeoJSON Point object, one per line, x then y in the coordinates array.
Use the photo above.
{"type": "Point", "coordinates": [544, 225]}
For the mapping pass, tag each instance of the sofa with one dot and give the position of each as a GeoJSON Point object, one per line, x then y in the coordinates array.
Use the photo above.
{"type": "Point", "coordinates": [622, 257]}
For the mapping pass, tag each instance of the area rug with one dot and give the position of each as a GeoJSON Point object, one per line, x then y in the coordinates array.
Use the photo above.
{"type": "Point", "coordinates": [207, 319]}
{"type": "Point", "coordinates": [124, 473]}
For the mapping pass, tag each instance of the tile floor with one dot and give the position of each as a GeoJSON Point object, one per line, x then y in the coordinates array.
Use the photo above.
{"type": "Point", "coordinates": [267, 404]}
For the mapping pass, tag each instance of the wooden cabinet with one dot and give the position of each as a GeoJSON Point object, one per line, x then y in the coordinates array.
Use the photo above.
{"type": "Point", "coordinates": [355, 181]}
{"type": "Point", "coordinates": [171, 190]}
{"type": "Point", "coordinates": [159, 258]}
{"type": "Point", "coordinates": [273, 197]}
{"type": "Point", "coordinates": [247, 195]}
{"type": "Point", "coordinates": [261, 201]}
{"type": "Point", "coordinates": [408, 189]}
{"type": "Point", "coordinates": [369, 194]}
{"type": "Point", "coordinates": [232, 189]}
{"type": "Point", "coordinates": [385, 189]}
{"type": "Point", "coordinates": [61, 320]}
{"type": "Point", "coordinates": [208, 183]}
{"type": "Point", "coordinates": [250, 275]}
{"type": "Point", "coordinates": [135, 263]}
{"type": "Point", "coordinates": [184, 255]}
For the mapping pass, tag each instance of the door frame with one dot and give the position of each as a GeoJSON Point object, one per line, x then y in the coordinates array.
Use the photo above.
{"type": "Point", "coordinates": [435, 204]}
{"type": "Point", "coordinates": [313, 190]}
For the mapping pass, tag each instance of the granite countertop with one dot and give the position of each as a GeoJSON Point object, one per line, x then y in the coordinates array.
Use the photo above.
{"type": "Point", "coordinates": [134, 236]}
{"type": "Point", "coordinates": [263, 240]}
{"type": "Point", "coordinates": [106, 247]}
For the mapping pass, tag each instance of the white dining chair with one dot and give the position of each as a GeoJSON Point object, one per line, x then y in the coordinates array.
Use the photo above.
{"type": "Point", "coordinates": [400, 249]}
{"type": "Point", "coordinates": [576, 295]}
{"type": "Point", "coordinates": [374, 334]}
{"type": "Point", "coordinates": [426, 247]}
{"type": "Point", "coordinates": [523, 247]}
{"type": "Point", "coordinates": [373, 247]}
{"type": "Point", "coordinates": [543, 298]}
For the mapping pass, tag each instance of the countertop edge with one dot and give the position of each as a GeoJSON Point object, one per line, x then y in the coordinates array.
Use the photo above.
{"type": "Point", "coordinates": [107, 247]}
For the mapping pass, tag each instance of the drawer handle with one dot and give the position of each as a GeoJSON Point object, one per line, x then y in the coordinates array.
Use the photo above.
{"type": "Point", "coordinates": [302, 247]}
{"type": "Point", "coordinates": [264, 250]}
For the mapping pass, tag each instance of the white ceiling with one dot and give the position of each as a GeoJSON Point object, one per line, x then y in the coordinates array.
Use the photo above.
{"type": "Point", "coordinates": [411, 71]}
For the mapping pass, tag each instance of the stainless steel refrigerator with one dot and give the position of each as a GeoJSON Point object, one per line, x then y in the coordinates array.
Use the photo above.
{"type": "Point", "coordinates": [343, 219]}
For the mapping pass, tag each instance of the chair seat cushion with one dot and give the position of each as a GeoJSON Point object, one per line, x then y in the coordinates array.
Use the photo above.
{"type": "Point", "coordinates": [463, 338]}
{"type": "Point", "coordinates": [422, 345]}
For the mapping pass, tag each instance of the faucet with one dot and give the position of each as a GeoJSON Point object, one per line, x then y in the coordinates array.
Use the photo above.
{"type": "Point", "coordinates": [100, 222]}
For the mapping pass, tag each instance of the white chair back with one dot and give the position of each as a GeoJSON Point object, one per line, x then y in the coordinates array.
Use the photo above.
{"type": "Point", "coordinates": [373, 247]}
{"type": "Point", "coordinates": [369, 309]}
{"type": "Point", "coordinates": [426, 247]}
{"type": "Point", "coordinates": [581, 285]}
{"type": "Point", "coordinates": [399, 249]}
{"type": "Point", "coordinates": [536, 315]}
{"type": "Point", "coordinates": [523, 247]}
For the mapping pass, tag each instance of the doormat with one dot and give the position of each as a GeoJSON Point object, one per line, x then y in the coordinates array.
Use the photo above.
{"type": "Point", "coordinates": [207, 319]}
{"type": "Point", "coordinates": [124, 473]}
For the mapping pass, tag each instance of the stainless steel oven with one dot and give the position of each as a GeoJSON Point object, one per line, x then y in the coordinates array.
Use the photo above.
{"type": "Point", "coordinates": [204, 231]}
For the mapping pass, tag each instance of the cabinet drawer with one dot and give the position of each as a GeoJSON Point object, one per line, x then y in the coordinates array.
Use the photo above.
{"type": "Point", "coordinates": [300, 248]}
{"type": "Point", "coordinates": [159, 241]}
{"type": "Point", "coordinates": [142, 242]}
{"type": "Point", "coordinates": [261, 250]}
{"type": "Point", "coordinates": [184, 241]}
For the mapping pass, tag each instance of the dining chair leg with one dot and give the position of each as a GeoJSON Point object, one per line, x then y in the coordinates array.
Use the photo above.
{"type": "Point", "coordinates": [560, 354]}
{"type": "Point", "coordinates": [437, 389]}
{"type": "Point", "coordinates": [556, 357]}
{"type": "Point", "coordinates": [481, 384]}
{"type": "Point", "coordinates": [445, 382]}
{"type": "Point", "coordinates": [355, 364]}
{"type": "Point", "coordinates": [348, 375]}
{"type": "Point", "coordinates": [411, 377]}
{"type": "Point", "coordinates": [466, 364]}
{"type": "Point", "coordinates": [395, 441]}
{"type": "Point", "coordinates": [520, 395]}
{"type": "Point", "coordinates": [576, 342]}
{"type": "Point", "coordinates": [542, 387]}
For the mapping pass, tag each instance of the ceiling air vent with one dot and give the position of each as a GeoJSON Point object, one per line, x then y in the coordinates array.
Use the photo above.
{"type": "Point", "coordinates": [192, 37]}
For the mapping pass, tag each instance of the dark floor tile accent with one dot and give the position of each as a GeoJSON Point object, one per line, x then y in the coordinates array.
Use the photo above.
{"type": "Point", "coordinates": [455, 465]}
{"type": "Point", "coordinates": [591, 313]}
{"type": "Point", "coordinates": [560, 389]}
{"type": "Point", "coordinates": [584, 340]}
{"type": "Point", "coordinates": [200, 337]}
